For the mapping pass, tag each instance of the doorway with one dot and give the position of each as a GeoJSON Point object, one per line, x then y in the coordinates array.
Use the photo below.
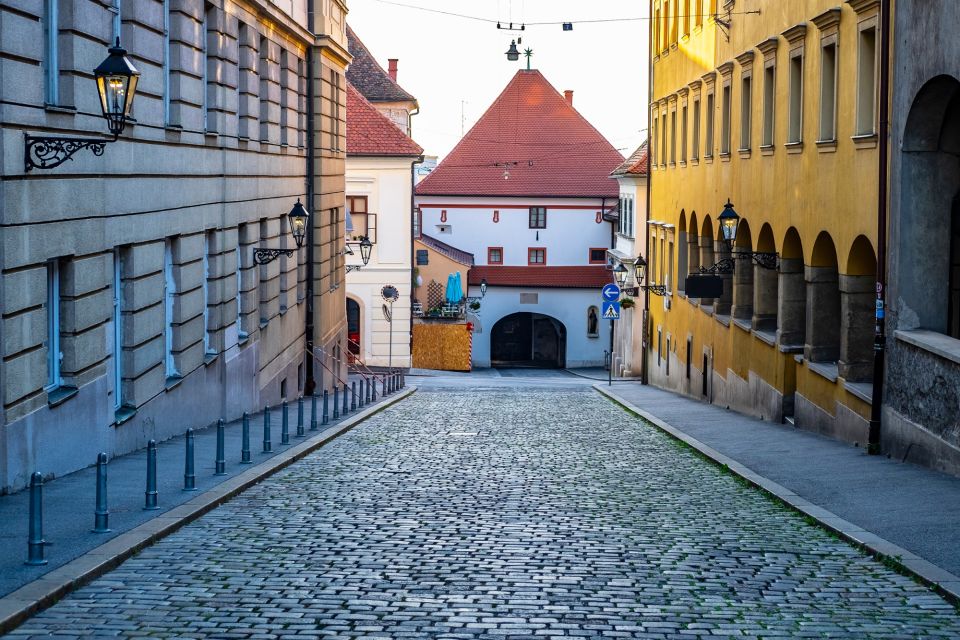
{"type": "Point", "coordinates": [528, 340]}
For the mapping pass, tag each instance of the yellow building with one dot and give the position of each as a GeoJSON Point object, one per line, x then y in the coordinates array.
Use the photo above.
{"type": "Point", "coordinates": [772, 106]}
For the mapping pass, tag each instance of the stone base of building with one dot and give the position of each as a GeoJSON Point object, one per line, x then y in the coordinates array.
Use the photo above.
{"type": "Point", "coordinates": [907, 441]}
{"type": "Point", "coordinates": [845, 425]}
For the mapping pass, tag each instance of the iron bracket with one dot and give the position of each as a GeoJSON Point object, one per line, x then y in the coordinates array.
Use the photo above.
{"type": "Point", "coordinates": [263, 255]}
{"type": "Point", "coordinates": [48, 152]}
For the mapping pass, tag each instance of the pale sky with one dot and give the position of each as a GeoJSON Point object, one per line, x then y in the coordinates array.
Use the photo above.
{"type": "Point", "coordinates": [450, 63]}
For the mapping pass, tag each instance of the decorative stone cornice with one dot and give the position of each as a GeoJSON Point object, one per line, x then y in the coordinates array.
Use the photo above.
{"type": "Point", "coordinates": [745, 60]}
{"type": "Point", "coordinates": [828, 20]}
{"type": "Point", "coordinates": [726, 69]}
{"type": "Point", "coordinates": [768, 47]}
{"type": "Point", "coordinates": [695, 87]}
{"type": "Point", "coordinates": [796, 33]}
{"type": "Point", "coordinates": [862, 6]}
{"type": "Point", "coordinates": [682, 92]}
{"type": "Point", "coordinates": [709, 79]}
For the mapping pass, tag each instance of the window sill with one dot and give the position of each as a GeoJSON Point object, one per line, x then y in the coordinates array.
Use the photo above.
{"type": "Point", "coordinates": [58, 108]}
{"type": "Point", "coordinates": [767, 337]}
{"type": "Point", "coordinates": [827, 146]}
{"type": "Point", "coordinates": [865, 141]}
{"type": "Point", "coordinates": [744, 153]}
{"type": "Point", "coordinates": [242, 338]}
{"type": "Point", "coordinates": [725, 157]}
{"type": "Point", "coordinates": [175, 128]}
{"type": "Point", "coordinates": [767, 149]}
{"type": "Point", "coordinates": [724, 320]}
{"type": "Point", "coordinates": [706, 308]}
{"type": "Point", "coordinates": [862, 390]}
{"type": "Point", "coordinates": [826, 370]}
{"type": "Point", "coordinates": [683, 163]}
{"type": "Point", "coordinates": [746, 325]}
{"type": "Point", "coordinates": [172, 382]}
{"type": "Point", "coordinates": [263, 323]}
{"type": "Point", "coordinates": [936, 343]}
{"type": "Point", "coordinates": [794, 147]}
{"type": "Point", "coordinates": [210, 358]}
{"type": "Point", "coordinates": [708, 159]}
{"type": "Point", "coordinates": [593, 335]}
{"type": "Point", "coordinates": [695, 162]}
{"type": "Point", "coordinates": [123, 414]}
{"type": "Point", "coordinates": [60, 395]}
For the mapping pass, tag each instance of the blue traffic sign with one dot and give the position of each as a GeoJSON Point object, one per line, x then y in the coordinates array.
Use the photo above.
{"type": "Point", "coordinates": [610, 292]}
{"type": "Point", "coordinates": [611, 310]}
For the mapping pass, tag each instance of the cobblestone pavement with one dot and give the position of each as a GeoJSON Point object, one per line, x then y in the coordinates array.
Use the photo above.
{"type": "Point", "coordinates": [512, 513]}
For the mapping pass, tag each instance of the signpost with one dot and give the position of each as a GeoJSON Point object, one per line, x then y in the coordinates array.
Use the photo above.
{"type": "Point", "coordinates": [391, 295]}
{"type": "Point", "coordinates": [610, 310]}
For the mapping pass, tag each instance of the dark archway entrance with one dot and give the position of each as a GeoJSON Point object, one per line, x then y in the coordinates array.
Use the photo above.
{"type": "Point", "coordinates": [353, 329]}
{"type": "Point", "coordinates": [528, 340]}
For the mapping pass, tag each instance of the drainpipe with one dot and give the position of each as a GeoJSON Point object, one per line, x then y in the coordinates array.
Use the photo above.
{"type": "Point", "coordinates": [880, 339]}
{"type": "Point", "coordinates": [413, 249]}
{"type": "Point", "coordinates": [644, 361]}
{"type": "Point", "coordinates": [309, 384]}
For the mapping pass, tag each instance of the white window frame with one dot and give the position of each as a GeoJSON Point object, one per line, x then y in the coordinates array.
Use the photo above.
{"type": "Point", "coordinates": [54, 348]}
{"type": "Point", "coordinates": [117, 329]}
{"type": "Point", "coordinates": [208, 348]}
{"type": "Point", "coordinates": [169, 295]}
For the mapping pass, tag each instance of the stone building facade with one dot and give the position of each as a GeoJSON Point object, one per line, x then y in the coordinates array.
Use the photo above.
{"type": "Point", "coordinates": [132, 308]}
{"type": "Point", "coordinates": [777, 112]}
{"type": "Point", "coordinates": [921, 410]}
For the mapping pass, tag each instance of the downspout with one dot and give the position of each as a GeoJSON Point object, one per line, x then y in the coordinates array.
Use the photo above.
{"type": "Point", "coordinates": [613, 245]}
{"type": "Point", "coordinates": [880, 339]}
{"type": "Point", "coordinates": [644, 361]}
{"type": "Point", "coordinates": [413, 249]}
{"type": "Point", "coordinates": [309, 384]}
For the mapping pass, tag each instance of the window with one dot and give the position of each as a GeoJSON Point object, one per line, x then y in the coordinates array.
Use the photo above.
{"type": "Point", "coordinates": [675, 22]}
{"type": "Point", "coordinates": [708, 147]}
{"type": "Point", "coordinates": [207, 276]}
{"type": "Point", "coordinates": [663, 139]}
{"type": "Point", "coordinates": [117, 330]}
{"type": "Point", "coordinates": [264, 75]}
{"type": "Point", "coordinates": [659, 346]}
{"type": "Point", "coordinates": [538, 217]}
{"type": "Point", "coordinates": [683, 135]}
{"type": "Point", "coordinates": [423, 257]}
{"type": "Point", "coordinates": [166, 62]}
{"type": "Point", "coordinates": [657, 34]}
{"type": "Point", "coordinates": [669, 271]}
{"type": "Point", "coordinates": [169, 295]}
{"type": "Point", "coordinates": [536, 256]}
{"type": "Point", "coordinates": [284, 96]}
{"type": "Point", "coordinates": [699, 13]}
{"type": "Point", "coordinates": [204, 71]}
{"type": "Point", "coordinates": [689, 353]}
{"type": "Point", "coordinates": [335, 111]}
{"type": "Point", "coordinates": [795, 117]}
{"type": "Point", "coordinates": [673, 137]}
{"type": "Point", "coordinates": [769, 100]}
{"type": "Point", "coordinates": [695, 151]}
{"type": "Point", "coordinates": [494, 255]}
{"type": "Point", "coordinates": [598, 255]}
{"type": "Point", "coordinates": [334, 255]}
{"type": "Point", "coordinates": [725, 121]}
{"type": "Point", "coordinates": [51, 58]}
{"type": "Point", "coordinates": [417, 223]}
{"type": "Point", "coordinates": [867, 82]}
{"type": "Point", "coordinates": [746, 105]}
{"type": "Point", "coordinates": [54, 352]}
{"type": "Point", "coordinates": [828, 91]}
{"type": "Point", "coordinates": [653, 141]}
{"type": "Point", "coordinates": [241, 309]}
{"type": "Point", "coordinates": [357, 206]}
{"type": "Point", "coordinates": [686, 17]}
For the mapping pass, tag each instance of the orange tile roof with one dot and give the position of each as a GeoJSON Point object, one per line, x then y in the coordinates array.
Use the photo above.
{"type": "Point", "coordinates": [585, 277]}
{"type": "Point", "coordinates": [533, 133]}
{"type": "Point", "coordinates": [370, 133]}
{"type": "Point", "coordinates": [635, 165]}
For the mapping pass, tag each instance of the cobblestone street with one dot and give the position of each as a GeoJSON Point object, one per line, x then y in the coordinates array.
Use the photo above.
{"type": "Point", "coordinates": [518, 511]}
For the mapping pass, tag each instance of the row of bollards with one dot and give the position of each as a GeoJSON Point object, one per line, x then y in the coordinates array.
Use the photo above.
{"type": "Point", "coordinates": [353, 398]}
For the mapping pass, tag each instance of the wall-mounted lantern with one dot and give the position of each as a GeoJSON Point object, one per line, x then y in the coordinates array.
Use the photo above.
{"type": "Point", "coordinates": [729, 223]}
{"type": "Point", "coordinates": [116, 79]}
{"type": "Point", "coordinates": [366, 247]}
{"type": "Point", "coordinates": [640, 267]}
{"type": "Point", "coordinates": [298, 217]}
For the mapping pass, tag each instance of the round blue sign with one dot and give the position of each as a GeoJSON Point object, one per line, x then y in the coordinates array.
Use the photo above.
{"type": "Point", "coordinates": [610, 292]}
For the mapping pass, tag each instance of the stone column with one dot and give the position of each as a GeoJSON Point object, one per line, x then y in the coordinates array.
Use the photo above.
{"type": "Point", "coordinates": [764, 299]}
{"type": "Point", "coordinates": [743, 286]}
{"type": "Point", "coordinates": [693, 254]}
{"type": "Point", "coordinates": [791, 303]}
{"type": "Point", "coordinates": [725, 302]}
{"type": "Point", "coordinates": [857, 310]}
{"type": "Point", "coordinates": [706, 259]}
{"type": "Point", "coordinates": [823, 315]}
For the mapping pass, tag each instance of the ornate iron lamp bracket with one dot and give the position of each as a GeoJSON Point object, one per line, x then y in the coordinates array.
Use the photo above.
{"type": "Point", "coordinates": [265, 256]}
{"type": "Point", "coordinates": [764, 260]}
{"type": "Point", "coordinates": [354, 267]}
{"type": "Point", "coordinates": [656, 289]}
{"type": "Point", "coordinates": [47, 152]}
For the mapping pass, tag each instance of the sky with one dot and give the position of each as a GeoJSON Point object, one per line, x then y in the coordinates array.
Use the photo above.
{"type": "Point", "coordinates": [456, 67]}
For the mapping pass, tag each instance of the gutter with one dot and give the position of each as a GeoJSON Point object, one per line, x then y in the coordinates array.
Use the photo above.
{"type": "Point", "coordinates": [883, 135]}
{"type": "Point", "coordinates": [413, 248]}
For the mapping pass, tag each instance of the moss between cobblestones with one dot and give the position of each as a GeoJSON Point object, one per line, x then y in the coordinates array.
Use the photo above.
{"type": "Point", "coordinates": [894, 563]}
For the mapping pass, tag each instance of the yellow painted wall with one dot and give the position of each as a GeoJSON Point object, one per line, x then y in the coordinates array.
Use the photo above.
{"type": "Point", "coordinates": [812, 187]}
{"type": "Point", "coordinates": [439, 268]}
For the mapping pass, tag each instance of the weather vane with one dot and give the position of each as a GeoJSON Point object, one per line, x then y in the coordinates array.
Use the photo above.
{"type": "Point", "coordinates": [529, 53]}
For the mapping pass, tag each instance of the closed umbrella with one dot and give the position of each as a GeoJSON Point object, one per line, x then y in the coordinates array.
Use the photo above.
{"type": "Point", "coordinates": [451, 295]}
{"type": "Point", "coordinates": [459, 287]}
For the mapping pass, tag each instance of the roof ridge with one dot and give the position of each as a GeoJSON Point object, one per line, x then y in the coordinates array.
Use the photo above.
{"type": "Point", "coordinates": [373, 60]}
{"type": "Point", "coordinates": [403, 146]}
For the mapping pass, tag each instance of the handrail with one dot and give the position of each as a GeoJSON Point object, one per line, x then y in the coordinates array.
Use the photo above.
{"type": "Point", "coordinates": [357, 358]}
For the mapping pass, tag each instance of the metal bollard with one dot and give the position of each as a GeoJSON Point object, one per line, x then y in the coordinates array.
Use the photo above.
{"type": "Point", "coordinates": [373, 389]}
{"type": "Point", "coordinates": [368, 385]}
{"type": "Point", "coordinates": [284, 425]}
{"type": "Point", "coordinates": [346, 407]}
{"type": "Point", "coordinates": [150, 496]}
{"type": "Point", "coordinates": [336, 405]}
{"type": "Point", "coordinates": [300, 431]}
{"type": "Point", "coordinates": [326, 407]}
{"type": "Point", "coordinates": [101, 515]}
{"type": "Point", "coordinates": [35, 542]}
{"type": "Point", "coordinates": [353, 396]}
{"type": "Point", "coordinates": [360, 397]}
{"type": "Point", "coordinates": [245, 445]}
{"type": "Point", "coordinates": [221, 461]}
{"type": "Point", "coordinates": [313, 412]}
{"type": "Point", "coordinates": [267, 444]}
{"type": "Point", "coordinates": [189, 477]}
{"type": "Point", "coordinates": [403, 380]}
{"type": "Point", "coordinates": [384, 387]}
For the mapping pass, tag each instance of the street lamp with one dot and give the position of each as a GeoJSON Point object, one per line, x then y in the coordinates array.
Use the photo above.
{"type": "Point", "coordinates": [729, 220]}
{"type": "Point", "coordinates": [483, 287]}
{"type": "Point", "coordinates": [640, 266]}
{"type": "Point", "coordinates": [513, 54]}
{"type": "Point", "coordinates": [298, 226]}
{"type": "Point", "coordinates": [729, 223]}
{"type": "Point", "coordinates": [366, 247]}
{"type": "Point", "coordinates": [620, 273]}
{"type": "Point", "coordinates": [116, 79]}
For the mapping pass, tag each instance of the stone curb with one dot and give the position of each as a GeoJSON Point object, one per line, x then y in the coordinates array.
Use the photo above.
{"type": "Point", "coordinates": [31, 598]}
{"type": "Point", "coordinates": [940, 580]}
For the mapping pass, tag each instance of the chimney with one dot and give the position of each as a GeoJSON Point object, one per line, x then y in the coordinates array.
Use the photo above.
{"type": "Point", "coordinates": [392, 68]}
{"type": "Point", "coordinates": [568, 95]}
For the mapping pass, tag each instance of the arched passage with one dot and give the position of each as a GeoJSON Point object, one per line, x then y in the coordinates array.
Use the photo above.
{"type": "Point", "coordinates": [792, 293]}
{"type": "Point", "coordinates": [857, 295]}
{"type": "Point", "coordinates": [823, 303]}
{"type": "Point", "coordinates": [928, 229]}
{"type": "Point", "coordinates": [765, 282]}
{"type": "Point", "coordinates": [706, 252]}
{"type": "Point", "coordinates": [693, 245]}
{"type": "Point", "coordinates": [528, 340]}
{"type": "Point", "coordinates": [354, 333]}
{"type": "Point", "coordinates": [743, 275]}
{"type": "Point", "coordinates": [682, 258]}
{"type": "Point", "coordinates": [721, 251]}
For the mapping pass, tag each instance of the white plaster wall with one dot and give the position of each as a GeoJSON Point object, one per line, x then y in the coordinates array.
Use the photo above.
{"type": "Point", "coordinates": [569, 306]}
{"type": "Point", "coordinates": [569, 235]}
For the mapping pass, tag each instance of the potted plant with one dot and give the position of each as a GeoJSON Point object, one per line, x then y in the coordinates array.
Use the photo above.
{"type": "Point", "coordinates": [627, 303]}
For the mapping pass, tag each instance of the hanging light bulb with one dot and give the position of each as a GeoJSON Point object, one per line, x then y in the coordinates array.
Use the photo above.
{"type": "Point", "coordinates": [506, 174]}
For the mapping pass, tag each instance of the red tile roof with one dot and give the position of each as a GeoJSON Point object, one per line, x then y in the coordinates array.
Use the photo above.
{"type": "Point", "coordinates": [369, 77]}
{"type": "Point", "coordinates": [531, 131]}
{"type": "Point", "coordinates": [547, 277]}
{"type": "Point", "coordinates": [635, 165]}
{"type": "Point", "coordinates": [370, 133]}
